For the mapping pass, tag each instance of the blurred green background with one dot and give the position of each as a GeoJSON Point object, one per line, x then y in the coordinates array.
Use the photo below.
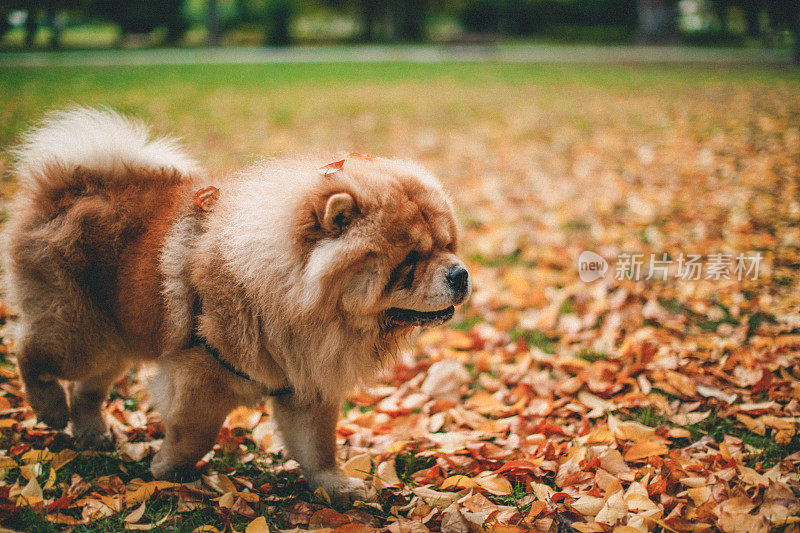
{"type": "Point", "coordinates": [88, 24]}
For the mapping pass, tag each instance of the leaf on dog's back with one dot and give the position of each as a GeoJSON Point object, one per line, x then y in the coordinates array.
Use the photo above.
{"type": "Point", "coordinates": [206, 197]}
{"type": "Point", "coordinates": [331, 168]}
{"type": "Point", "coordinates": [356, 155]}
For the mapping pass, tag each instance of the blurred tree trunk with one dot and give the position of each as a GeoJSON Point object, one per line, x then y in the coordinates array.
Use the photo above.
{"type": "Point", "coordinates": [30, 28]}
{"type": "Point", "coordinates": [796, 30]}
{"type": "Point", "coordinates": [656, 21]}
{"type": "Point", "coordinates": [278, 19]}
{"type": "Point", "coordinates": [4, 24]}
{"type": "Point", "coordinates": [51, 16]}
{"type": "Point", "coordinates": [212, 22]}
{"type": "Point", "coordinates": [752, 9]}
{"type": "Point", "coordinates": [369, 14]}
{"type": "Point", "coordinates": [409, 19]}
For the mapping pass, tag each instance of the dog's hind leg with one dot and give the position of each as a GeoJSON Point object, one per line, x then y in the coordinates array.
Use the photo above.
{"type": "Point", "coordinates": [42, 390]}
{"type": "Point", "coordinates": [86, 399]}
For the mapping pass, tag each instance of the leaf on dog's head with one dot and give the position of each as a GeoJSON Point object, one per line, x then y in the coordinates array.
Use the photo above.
{"type": "Point", "coordinates": [356, 155]}
{"type": "Point", "coordinates": [331, 168]}
{"type": "Point", "coordinates": [206, 197]}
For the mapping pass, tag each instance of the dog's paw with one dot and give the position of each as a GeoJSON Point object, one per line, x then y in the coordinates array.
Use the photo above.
{"type": "Point", "coordinates": [161, 467]}
{"type": "Point", "coordinates": [50, 405]}
{"type": "Point", "coordinates": [93, 439]}
{"type": "Point", "coordinates": [56, 418]}
{"type": "Point", "coordinates": [339, 486]}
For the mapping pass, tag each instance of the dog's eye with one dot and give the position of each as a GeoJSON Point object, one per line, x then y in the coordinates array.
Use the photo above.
{"type": "Point", "coordinates": [405, 271]}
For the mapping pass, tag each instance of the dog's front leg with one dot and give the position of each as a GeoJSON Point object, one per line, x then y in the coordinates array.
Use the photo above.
{"type": "Point", "coordinates": [309, 432]}
{"type": "Point", "coordinates": [194, 398]}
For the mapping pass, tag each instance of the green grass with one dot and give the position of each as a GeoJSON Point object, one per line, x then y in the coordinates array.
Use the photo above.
{"type": "Point", "coordinates": [31, 521]}
{"type": "Point", "coordinates": [769, 451]}
{"type": "Point", "coordinates": [29, 91]}
{"type": "Point", "coordinates": [467, 323]}
{"type": "Point", "coordinates": [591, 356]}
{"type": "Point", "coordinates": [514, 258]}
{"type": "Point", "coordinates": [649, 416]}
{"type": "Point", "coordinates": [407, 463]}
{"type": "Point", "coordinates": [535, 338]}
{"type": "Point", "coordinates": [94, 466]}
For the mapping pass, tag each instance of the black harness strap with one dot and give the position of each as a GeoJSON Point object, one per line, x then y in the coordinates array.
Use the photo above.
{"type": "Point", "coordinates": [198, 340]}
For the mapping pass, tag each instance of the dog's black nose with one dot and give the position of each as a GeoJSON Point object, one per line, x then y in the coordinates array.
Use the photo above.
{"type": "Point", "coordinates": [457, 278]}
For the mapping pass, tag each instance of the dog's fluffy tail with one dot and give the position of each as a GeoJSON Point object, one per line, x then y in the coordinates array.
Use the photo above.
{"type": "Point", "coordinates": [99, 140]}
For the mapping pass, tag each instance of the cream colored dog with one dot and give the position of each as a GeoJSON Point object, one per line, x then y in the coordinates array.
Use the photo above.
{"type": "Point", "coordinates": [295, 280]}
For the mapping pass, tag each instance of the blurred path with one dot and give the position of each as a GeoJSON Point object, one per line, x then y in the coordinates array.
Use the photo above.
{"type": "Point", "coordinates": [417, 54]}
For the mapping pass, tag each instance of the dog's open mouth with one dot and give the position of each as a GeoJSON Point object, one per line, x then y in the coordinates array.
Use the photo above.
{"type": "Point", "coordinates": [408, 317]}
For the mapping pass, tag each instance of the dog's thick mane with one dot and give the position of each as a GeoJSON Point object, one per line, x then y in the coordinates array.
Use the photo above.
{"type": "Point", "coordinates": [284, 305]}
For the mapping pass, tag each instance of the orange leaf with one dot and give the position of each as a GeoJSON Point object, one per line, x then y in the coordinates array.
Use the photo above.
{"type": "Point", "coordinates": [356, 155]}
{"type": "Point", "coordinates": [520, 466]}
{"type": "Point", "coordinates": [644, 449]}
{"type": "Point", "coordinates": [206, 197]}
{"type": "Point", "coordinates": [331, 168]}
{"type": "Point", "coordinates": [327, 518]}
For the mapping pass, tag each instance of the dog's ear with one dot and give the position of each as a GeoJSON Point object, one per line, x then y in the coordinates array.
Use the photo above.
{"type": "Point", "coordinates": [339, 211]}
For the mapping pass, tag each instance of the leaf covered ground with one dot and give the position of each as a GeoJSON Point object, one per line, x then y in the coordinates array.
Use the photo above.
{"type": "Point", "coordinates": [550, 403]}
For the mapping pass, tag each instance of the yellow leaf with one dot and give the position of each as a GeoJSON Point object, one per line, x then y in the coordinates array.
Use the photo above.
{"type": "Point", "coordinates": [485, 403]}
{"type": "Point", "coordinates": [386, 475]}
{"type": "Point", "coordinates": [639, 503]}
{"type": "Point", "coordinates": [147, 527]}
{"type": "Point", "coordinates": [644, 449]}
{"type": "Point", "coordinates": [134, 451]}
{"type": "Point", "coordinates": [588, 505]}
{"type": "Point", "coordinates": [51, 479]}
{"type": "Point", "coordinates": [396, 446]}
{"type": "Point", "coordinates": [629, 430]}
{"type": "Point", "coordinates": [220, 483]}
{"type": "Point", "coordinates": [494, 483]}
{"type": "Point", "coordinates": [358, 466]}
{"type": "Point", "coordinates": [458, 482]}
{"type": "Point", "coordinates": [207, 529]}
{"type": "Point", "coordinates": [322, 494]}
{"type": "Point", "coordinates": [226, 500]}
{"type": "Point", "coordinates": [259, 525]}
{"type": "Point", "coordinates": [613, 511]}
{"type": "Point", "coordinates": [136, 515]}
{"type": "Point", "coordinates": [63, 457]}
{"type": "Point", "coordinates": [7, 462]}
{"type": "Point", "coordinates": [699, 495]}
{"type": "Point", "coordinates": [36, 456]}
{"type": "Point", "coordinates": [249, 497]}
{"type": "Point", "coordinates": [146, 491]}
{"type": "Point", "coordinates": [32, 490]}
{"type": "Point", "coordinates": [31, 471]}
{"type": "Point", "coordinates": [7, 422]}
{"type": "Point", "coordinates": [262, 434]}
{"type": "Point", "coordinates": [244, 417]}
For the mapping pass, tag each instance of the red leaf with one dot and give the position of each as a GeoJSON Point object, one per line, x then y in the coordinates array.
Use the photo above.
{"type": "Point", "coordinates": [205, 197]}
{"type": "Point", "coordinates": [356, 155]}
{"type": "Point", "coordinates": [331, 168]}
{"type": "Point", "coordinates": [518, 467]}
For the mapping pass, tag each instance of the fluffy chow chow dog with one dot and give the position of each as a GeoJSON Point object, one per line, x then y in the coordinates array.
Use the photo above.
{"type": "Point", "coordinates": [294, 281]}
